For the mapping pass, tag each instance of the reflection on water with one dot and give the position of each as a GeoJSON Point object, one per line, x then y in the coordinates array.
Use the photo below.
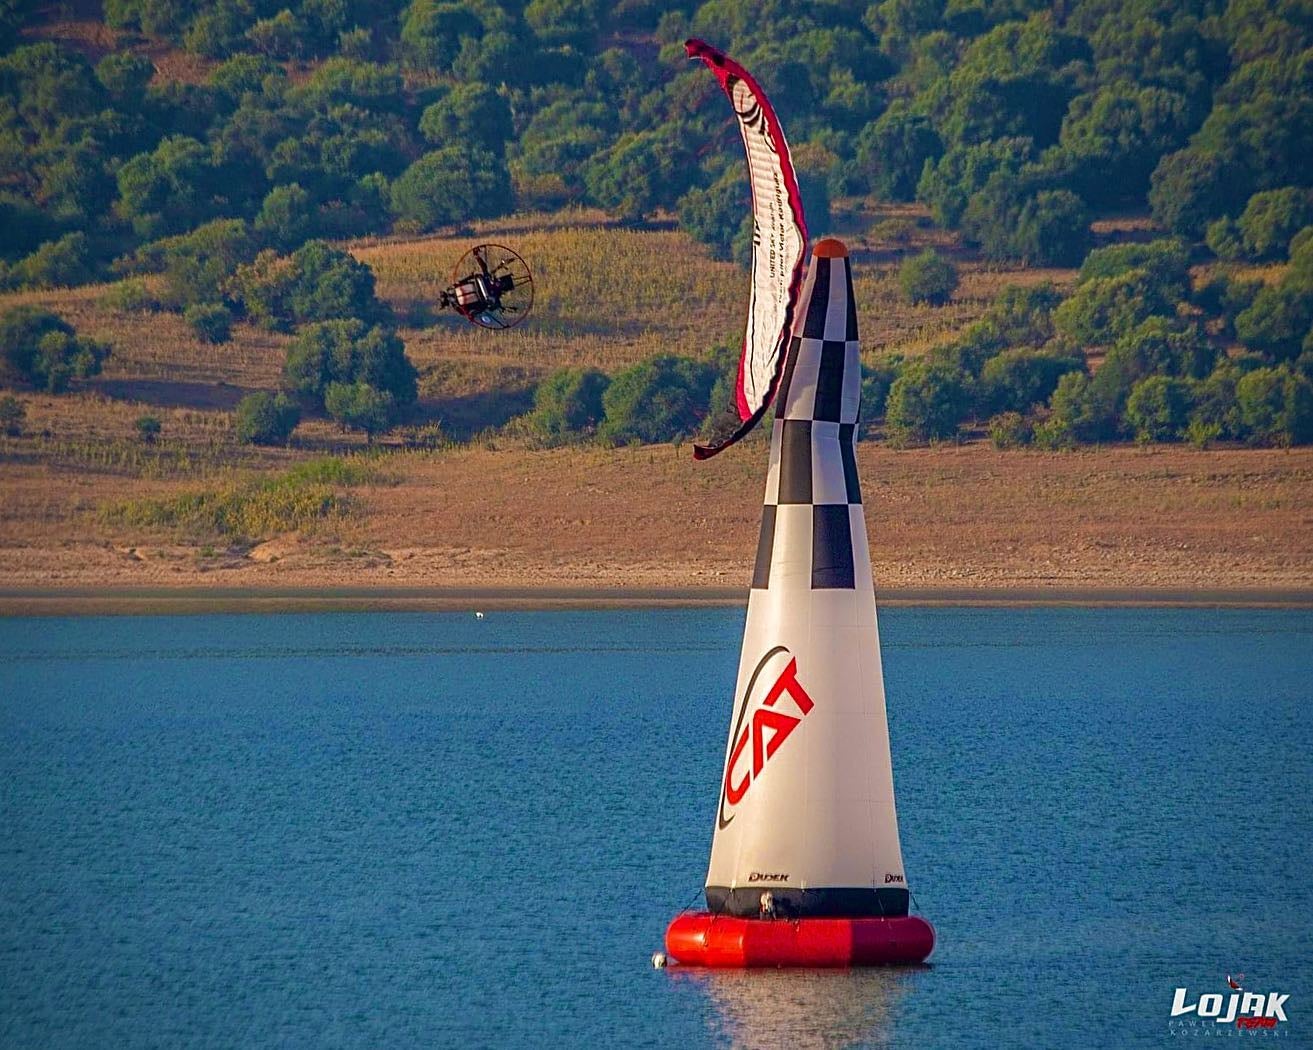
{"type": "Point", "coordinates": [791, 1009]}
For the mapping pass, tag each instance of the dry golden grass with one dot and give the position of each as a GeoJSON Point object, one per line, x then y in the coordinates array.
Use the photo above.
{"type": "Point", "coordinates": [966, 516]}
{"type": "Point", "coordinates": [499, 513]}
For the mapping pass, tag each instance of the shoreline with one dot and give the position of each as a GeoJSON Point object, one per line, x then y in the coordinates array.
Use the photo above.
{"type": "Point", "coordinates": [139, 601]}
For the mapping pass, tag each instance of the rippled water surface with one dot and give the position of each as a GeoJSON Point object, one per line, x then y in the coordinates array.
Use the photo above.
{"type": "Point", "coordinates": [394, 830]}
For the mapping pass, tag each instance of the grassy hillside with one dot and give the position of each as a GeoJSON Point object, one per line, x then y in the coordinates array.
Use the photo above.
{"type": "Point", "coordinates": [88, 502]}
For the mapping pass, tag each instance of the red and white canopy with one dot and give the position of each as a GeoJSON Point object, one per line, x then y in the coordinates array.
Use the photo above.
{"type": "Point", "coordinates": [779, 241]}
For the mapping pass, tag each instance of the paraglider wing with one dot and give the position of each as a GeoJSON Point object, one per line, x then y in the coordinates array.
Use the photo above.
{"type": "Point", "coordinates": [779, 242]}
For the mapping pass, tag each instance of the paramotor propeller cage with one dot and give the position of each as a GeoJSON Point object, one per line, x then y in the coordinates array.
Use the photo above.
{"type": "Point", "coordinates": [492, 287]}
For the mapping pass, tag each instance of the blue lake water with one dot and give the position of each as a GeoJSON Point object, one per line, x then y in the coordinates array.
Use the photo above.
{"type": "Point", "coordinates": [398, 830]}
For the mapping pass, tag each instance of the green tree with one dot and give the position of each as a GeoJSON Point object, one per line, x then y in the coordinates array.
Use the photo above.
{"type": "Point", "coordinates": [569, 402]}
{"type": "Point", "coordinates": [1022, 315]}
{"type": "Point", "coordinates": [168, 190]}
{"type": "Point", "coordinates": [212, 322]}
{"type": "Point", "coordinates": [1272, 218]}
{"type": "Point", "coordinates": [197, 266]}
{"type": "Point", "coordinates": [317, 282]}
{"type": "Point", "coordinates": [564, 22]}
{"type": "Point", "coordinates": [347, 352]}
{"type": "Point", "coordinates": [264, 418]}
{"type": "Point", "coordinates": [717, 214]}
{"type": "Point", "coordinates": [1276, 406]}
{"type": "Point", "coordinates": [359, 406]}
{"type": "Point", "coordinates": [927, 278]}
{"type": "Point", "coordinates": [247, 74]}
{"type": "Point", "coordinates": [926, 402]}
{"type": "Point", "coordinates": [1104, 308]}
{"type": "Point", "coordinates": [948, 184]}
{"type": "Point", "coordinates": [125, 76]}
{"type": "Point", "coordinates": [470, 115]}
{"type": "Point", "coordinates": [434, 32]}
{"type": "Point", "coordinates": [1224, 240]}
{"type": "Point", "coordinates": [1052, 229]}
{"type": "Point", "coordinates": [57, 263]}
{"type": "Point", "coordinates": [641, 172]}
{"type": "Point", "coordinates": [1166, 262]}
{"type": "Point", "coordinates": [1278, 321]}
{"type": "Point", "coordinates": [43, 349]}
{"type": "Point", "coordinates": [656, 400]}
{"type": "Point", "coordinates": [894, 150]}
{"type": "Point", "coordinates": [287, 217]}
{"type": "Point", "coordinates": [1016, 379]}
{"type": "Point", "coordinates": [452, 184]}
{"type": "Point", "coordinates": [1216, 412]}
{"type": "Point", "coordinates": [878, 378]}
{"type": "Point", "coordinates": [281, 36]}
{"type": "Point", "coordinates": [1187, 190]}
{"type": "Point", "coordinates": [1158, 408]}
{"type": "Point", "coordinates": [1117, 134]}
{"type": "Point", "coordinates": [1081, 410]}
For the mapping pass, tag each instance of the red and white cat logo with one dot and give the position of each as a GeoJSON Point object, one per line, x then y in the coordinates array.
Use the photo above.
{"type": "Point", "coordinates": [767, 730]}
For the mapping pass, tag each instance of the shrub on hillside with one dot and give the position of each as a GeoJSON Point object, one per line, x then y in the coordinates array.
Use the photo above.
{"type": "Point", "coordinates": [1276, 406]}
{"type": "Point", "coordinates": [264, 418]}
{"type": "Point", "coordinates": [359, 406]}
{"type": "Point", "coordinates": [1051, 229]}
{"type": "Point", "coordinates": [715, 215]}
{"type": "Point", "coordinates": [927, 402]}
{"type": "Point", "coordinates": [1278, 321]}
{"type": "Point", "coordinates": [317, 282]}
{"type": "Point", "coordinates": [286, 217]}
{"type": "Point", "coordinates": [55, 264]}
{"type": "Point", "coordinates": [452, 184]}
{"type": "Point", "coordinates": [893, 150]}
{"type": "Point", "coordinates": [1014, 380]}
{"type": "Point", "coordinates": [41, 348]}
{"type": "Point", "coordinates": [927, 278]}
{"type": "Point", "coordinates": [877, 379]}
{"type": "Point", "coordinates": [130, 296]}
{"type": "Point", "coordinates": [212, 322]}
{"type": "Point", "coordinates": [1165, 262]}
{"type": "Point", "coordinates": [1022, 315]}
{"type": "Point", "coordinates": [1216, 413]}
{"type": "Point", "coordinates": [1117, 291]}
{"type": "Point", "coordinates": [12, 414]}
{"type": "Point", "coordinates": [1158, 408]}
{"type": "Point", "coordinates": [148, 428]}
{"type": "Point", "coordinates": [1081, 410]}
{"type": "Point", "coordinates": [472, 114]}
{"type": "Point", "coordinates": [660, 399]}
{"type": "Point", "coordinates": [197, 265]}
{"type": "Point", "coordinates": [569, 402]}
{"type": "Point", "coordinates": [1187, 190]}
{"type": "Point", "coordinates": [1010, 430]}
{"type": "Point", "coordinates": [1053, 435]}
{"type": "Point", "coordinates": [641, 172]}
{"type": "Point", "coordinates": [1224, 240]}
{"type": "Point", "coordinates": [1272, 218]}
{"type": "Point", "coordinates": [348, 352]}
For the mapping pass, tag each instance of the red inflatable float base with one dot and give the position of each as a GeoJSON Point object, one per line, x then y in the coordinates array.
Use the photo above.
{"type": "Point", "coordinates": [702, 939]}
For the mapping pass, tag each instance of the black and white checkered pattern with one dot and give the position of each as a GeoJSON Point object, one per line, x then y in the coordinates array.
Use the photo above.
{"type": "Point", "coordinates": [812, 493]}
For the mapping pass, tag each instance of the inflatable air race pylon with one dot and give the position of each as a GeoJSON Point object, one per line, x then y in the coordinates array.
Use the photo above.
{"type": "Point", "coordinates": [806, 868]}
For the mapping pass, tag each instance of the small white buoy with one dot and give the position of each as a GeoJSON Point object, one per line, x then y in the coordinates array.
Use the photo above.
{"type": "Point", "coordinates": [478, 616]}
{"type": "Point", "coordinates": [658, 960]}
